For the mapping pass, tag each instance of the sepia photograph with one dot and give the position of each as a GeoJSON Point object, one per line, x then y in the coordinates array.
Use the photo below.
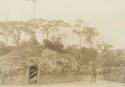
{"type": "Point", "coordinates": [62, 43]}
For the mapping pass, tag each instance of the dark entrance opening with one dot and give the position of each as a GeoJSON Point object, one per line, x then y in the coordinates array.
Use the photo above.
{"type": "Point", "coordinates": [33, 74]}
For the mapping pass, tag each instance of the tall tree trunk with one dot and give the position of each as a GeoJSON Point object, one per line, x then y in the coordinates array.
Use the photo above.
{"type": "Point", "coordinates": [34, 10]}
{"type": "Point", "coordinates": [6, 39]}
{"type": "Point", "coordinates": [47, 34]}
{"type": "Point", "coordinates": [80, 47]}
{"type": "Point", "coordinates": [17, 41]}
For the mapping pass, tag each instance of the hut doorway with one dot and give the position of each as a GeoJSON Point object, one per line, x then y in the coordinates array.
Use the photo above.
{"type": "Point", "coordinates": [33, 74]}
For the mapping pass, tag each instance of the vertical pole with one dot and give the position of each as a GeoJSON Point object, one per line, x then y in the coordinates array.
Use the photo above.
{"type": "Point", "coordinates": [7, 17]}
{"type": "Point", "coordinates": [15, 75]}
{"type": "Point", "coordinates": [34, 10]}
{"type": "Point", "coordinates": [27, 77]}
{"type": "Point", "coordinates": [38, 74]}
{"type": "Point", "coordinates": [2, 77]}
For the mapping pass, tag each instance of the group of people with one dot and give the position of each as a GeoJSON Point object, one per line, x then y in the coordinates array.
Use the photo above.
{"type": "Point", "coordinates": [114, 73]}
{"type": "Point", "coordinates": [111, 73]}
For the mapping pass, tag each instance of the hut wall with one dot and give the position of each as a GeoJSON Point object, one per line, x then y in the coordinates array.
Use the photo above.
{"type": "Point", "coordinates": [12, 74]}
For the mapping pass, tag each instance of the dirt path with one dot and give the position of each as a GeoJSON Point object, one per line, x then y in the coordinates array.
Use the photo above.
{"type": "Point", "coordinates": [99, 83]}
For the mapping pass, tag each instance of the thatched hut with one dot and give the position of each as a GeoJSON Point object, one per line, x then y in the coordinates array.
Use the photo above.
{"type": "Point", "coordinates": [18, 60]}
{"type": "Point", "coordinates": [29, 62]}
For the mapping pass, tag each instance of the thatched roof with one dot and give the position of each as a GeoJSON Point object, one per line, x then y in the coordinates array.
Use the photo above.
{"type": "Point", "coordinates": [5, 50]}
{"type": "Point", "coordinates": [14, 57]}
{"type": "Point", "coordinates": [32, 55]}
{"type": "Point", "coordinates": [55, 57]}
{"type": "Point", "coordinates": [19, 55]}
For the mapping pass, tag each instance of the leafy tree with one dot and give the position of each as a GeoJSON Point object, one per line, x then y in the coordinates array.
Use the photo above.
{"type": "Point", "coordinates": [57, 45]}
{"type": "Point", "coordinates": [16, 29]}
{"type": "Point", "coordinates": [73, 51]}
{"type": "Point", "coordinates": [2, 44]}
{"type": "Point", "coordinates": [89, 34]}
{"type": "Point", "coordinates": [78, 31]}
{"type": "Point", "coordinates": [106, 52]}
{"type": "Point", "coordinates": [31, 30]}
{"type": "Point", "coordinates": [51, 28]}
{"type": "Point", "coordinates": [104, 47]}
{"type": "Point", "coordinates": [86, 33]}
{"type": "Point", "coordinates": [29, 43]}
{"type": "Point", "coordinates": [87, 55]}
{"type": "Point", "coordinates": [5, 32]}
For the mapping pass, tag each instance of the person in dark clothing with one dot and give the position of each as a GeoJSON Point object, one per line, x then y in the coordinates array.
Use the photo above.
{"type": "Point", "coordinates": [93, 75]}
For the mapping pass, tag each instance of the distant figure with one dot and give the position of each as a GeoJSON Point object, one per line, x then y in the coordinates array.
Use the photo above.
{"type": "Point", "coordinates": [93, 75]}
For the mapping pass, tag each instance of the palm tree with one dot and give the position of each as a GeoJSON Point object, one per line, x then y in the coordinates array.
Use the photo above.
{"type": "Point", "coordinates": [34, 9]}
{"type": "Point", "coordinates": [32, 28]}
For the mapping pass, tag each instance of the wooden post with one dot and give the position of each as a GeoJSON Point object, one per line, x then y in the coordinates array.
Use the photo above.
{"type": "Point", "coordinates": [27, 77]}
{"type": "Point", "coordinates": [38, 74]}
{"type": "Point", "coordinates": [2, 77]}
{"type": "Point", "coordinates": [14, 72]}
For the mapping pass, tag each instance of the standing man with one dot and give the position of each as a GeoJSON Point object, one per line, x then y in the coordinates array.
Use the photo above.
{"type": "Point", "coordinates": [93, 74]}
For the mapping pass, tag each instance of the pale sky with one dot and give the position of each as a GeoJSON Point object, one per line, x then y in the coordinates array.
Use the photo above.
{"type": "Point", "coordinates": [108, 16]}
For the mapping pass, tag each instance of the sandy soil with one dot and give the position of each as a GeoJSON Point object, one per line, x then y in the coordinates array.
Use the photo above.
{"type": "Point", "coordinates": [99, 83]}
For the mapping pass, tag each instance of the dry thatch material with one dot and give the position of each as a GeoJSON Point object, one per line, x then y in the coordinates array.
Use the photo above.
{"type": "Point", "coordinates": [32, 55]}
